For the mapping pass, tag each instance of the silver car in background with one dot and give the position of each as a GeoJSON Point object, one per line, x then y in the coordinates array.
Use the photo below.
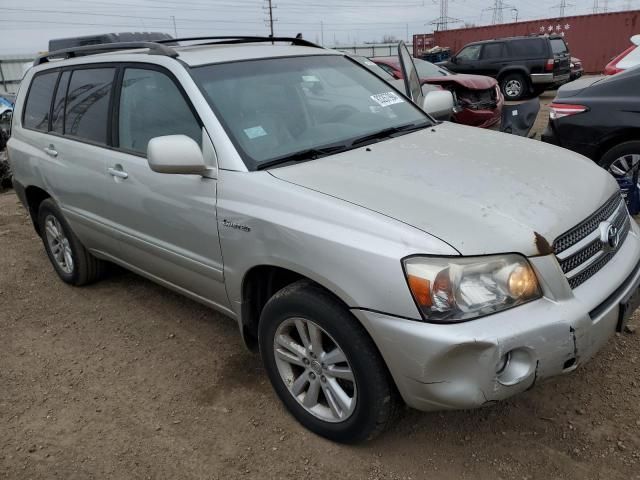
{"type": "Point", "coordinates": [371, 255]}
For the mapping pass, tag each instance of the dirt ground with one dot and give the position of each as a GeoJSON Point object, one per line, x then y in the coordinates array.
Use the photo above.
{"type": "Point", "coordinates": [126, 380]}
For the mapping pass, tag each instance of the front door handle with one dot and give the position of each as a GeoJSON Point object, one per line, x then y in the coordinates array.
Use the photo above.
{"type": "Point", "coordinates": [51, 151]}
{"type": "Point", "coordinates": [117, 171]}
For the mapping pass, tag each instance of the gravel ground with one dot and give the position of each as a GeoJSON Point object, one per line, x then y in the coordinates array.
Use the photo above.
{"type": "Point", "coordinates": [126, 380]}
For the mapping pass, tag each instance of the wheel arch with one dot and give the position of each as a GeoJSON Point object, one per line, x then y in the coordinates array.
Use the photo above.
{"type": "Point", "coordinates": [515, 69]}
{"type": "Point", "coordinates": [626, 135]}
{"type": "Point", "coordinates": [259, 284]}
{"type": "Point", "coordinates": [34, 197]}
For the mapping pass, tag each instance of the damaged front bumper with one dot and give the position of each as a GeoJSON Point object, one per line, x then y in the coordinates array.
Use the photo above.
{"type": "Point", "coordinates": [471, 364]}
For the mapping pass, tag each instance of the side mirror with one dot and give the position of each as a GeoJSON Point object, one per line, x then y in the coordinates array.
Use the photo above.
{"type": "Point", "coordinates": [439, 104]}
{"type": "Point", "coordinates": [453, 59]}
{"type": "Point", "coordinates": [176, 154]}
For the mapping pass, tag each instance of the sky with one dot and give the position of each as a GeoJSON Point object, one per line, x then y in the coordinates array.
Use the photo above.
{"type": "Point", "coordinates": [27, 25]}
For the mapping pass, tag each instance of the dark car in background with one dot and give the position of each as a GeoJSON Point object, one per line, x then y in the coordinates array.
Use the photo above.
{"type": "Point", "coordinates": [599, 117]}
{"type": "Point", "coordinates": [478, 97]}
{"type": "Point", "coordinates": [577, 70]}
{"type": "Point", "coordinates": [522, 65]}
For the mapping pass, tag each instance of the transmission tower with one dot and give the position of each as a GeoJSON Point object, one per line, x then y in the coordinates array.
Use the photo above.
{"type": "Point", "coordinates": [596, 6]}
{"type": "Point", "coordinates": [498, 7]}
{"type": "Point", "coordinates": [443, 21]}
{"type": "Point", "coordinates": [563, 6]}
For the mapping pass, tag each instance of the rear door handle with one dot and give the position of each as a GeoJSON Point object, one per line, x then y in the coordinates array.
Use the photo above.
{"type": "Point", "coordinates": [51, 151]}
{"type": "Point", "coordinates": [118, 172]}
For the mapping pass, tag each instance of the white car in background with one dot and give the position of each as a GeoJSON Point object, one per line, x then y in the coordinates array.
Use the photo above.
{"type": "Point", "coordinates": [626, 60]}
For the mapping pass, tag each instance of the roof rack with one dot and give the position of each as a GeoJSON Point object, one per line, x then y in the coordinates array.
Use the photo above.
{"type": "Point", "coordinates": [158, 47]}
{"type": "Point", "coordinates": [232, 39]}
{"type": "Point", "coordinates": [155, 48]}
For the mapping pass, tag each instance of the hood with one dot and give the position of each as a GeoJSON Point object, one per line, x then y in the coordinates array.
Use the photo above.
{"type": "Point", "coordinates": [573, 88]}
{"type": "Point", "coordinates": [472, 82]}
{"type": "Point", "coordinates": [481, 192]}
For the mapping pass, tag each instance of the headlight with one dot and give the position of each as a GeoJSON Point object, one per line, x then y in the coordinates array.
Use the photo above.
{"type": "Point", "coordinates": [572, 65]}
{"type": "Point", "coordinates": [456, 289]}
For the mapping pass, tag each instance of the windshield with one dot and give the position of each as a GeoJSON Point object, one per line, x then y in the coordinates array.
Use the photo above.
{"type": "Point", "coordinates": [277, 108]}
{"type": "Point", "coordinates": [558, 45]}
{"type": "Point", "coordinates": [426, 69]}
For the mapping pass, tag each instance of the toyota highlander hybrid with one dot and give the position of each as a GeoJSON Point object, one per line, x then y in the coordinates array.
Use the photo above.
{"type": "Point", "coordinates": [370, 254]}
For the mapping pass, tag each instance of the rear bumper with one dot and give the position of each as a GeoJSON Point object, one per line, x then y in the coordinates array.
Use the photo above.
{"type": "Point", "coordinates": [550, 136]}
{"type": "Point", "coordinates": [549, 78]}
{"type": "Point", "coordinates": [439, 367]}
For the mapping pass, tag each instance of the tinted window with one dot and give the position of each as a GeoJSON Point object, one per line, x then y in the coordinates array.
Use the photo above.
{"type": "Point", "coordinates": [57, 118]}
{"type": "Point", "coordinates": [151, 105]}
{"type": "Point", "coordinates": [472, 52]}
{"type": "Point", "coordinates": [558, 45]}
{"type": "Point", "coordinates": [494, 50]}
{"type": "Point", "coordinates": [529, 48]}
{"type": "Point", "coordinates": [36, 111]}
{"type": "Point", "coordinates": [87, 112]}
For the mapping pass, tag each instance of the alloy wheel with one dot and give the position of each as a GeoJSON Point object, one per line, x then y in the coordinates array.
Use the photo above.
{"type": "Point", "coordinates": [623, 166]}
{"type": "Point", "coordinates": [315, 370]}
{"type": "Point", "coordinates": [513, 88]}
{"type": "Point", "coordinates": [59, 244]}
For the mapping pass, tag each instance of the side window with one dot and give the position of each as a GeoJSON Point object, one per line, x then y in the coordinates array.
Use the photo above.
{"type": "Point", "coordinates": [529, 48]}
{"type": "Point", "coordinates": [387, 69]}
{"type": "Point", "coordinates": [36, 110]}
{"type": "Point", "coordinates": [151, 105]}
{"type": "Point", "coordinates": [470, 53]}
{"type": "Point", "coordinates": [57, 117]}
{"type": "Point", "coordinates": [87, 111]}
{"type": "Point", "coordinates": [492, 51]}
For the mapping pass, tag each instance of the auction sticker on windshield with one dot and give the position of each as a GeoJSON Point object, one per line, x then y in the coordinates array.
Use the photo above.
{"type": "Point", "coordinates": [386, 99]}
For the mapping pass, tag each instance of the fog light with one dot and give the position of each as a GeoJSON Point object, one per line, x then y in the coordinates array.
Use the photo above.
{"type": "Point", "coordinates": [503, 363]}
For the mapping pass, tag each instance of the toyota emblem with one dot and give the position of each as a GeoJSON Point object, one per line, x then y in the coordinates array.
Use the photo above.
{"type": "Point", "coordinates": [609, 236]}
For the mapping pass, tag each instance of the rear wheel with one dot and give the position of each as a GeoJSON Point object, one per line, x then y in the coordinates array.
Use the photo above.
{"type": "Point", "coordinates": [514, 86]}
{"type": "Point", "coordinates": [324, 366]}
{"type": "Point", "coordinates": [72, 262]}
{"type": "Point", "coordinates": [621, 160]}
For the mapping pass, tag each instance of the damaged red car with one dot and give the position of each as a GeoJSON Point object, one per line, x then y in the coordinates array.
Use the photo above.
{"type": "Point", "coordinates": [479, 98]}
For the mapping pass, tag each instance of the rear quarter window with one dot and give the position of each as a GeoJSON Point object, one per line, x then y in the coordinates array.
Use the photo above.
{"type": "Point", "coordinates": [38, 105]}
{"type": "Point", "coordinates": [529, 48]}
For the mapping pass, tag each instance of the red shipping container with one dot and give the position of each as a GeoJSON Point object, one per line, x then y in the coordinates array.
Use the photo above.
{"type": "Point", "coordinates": [594, 39]}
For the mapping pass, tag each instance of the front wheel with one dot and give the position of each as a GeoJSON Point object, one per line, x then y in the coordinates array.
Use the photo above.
{"type": "Point", "coordinates": [324, 366]}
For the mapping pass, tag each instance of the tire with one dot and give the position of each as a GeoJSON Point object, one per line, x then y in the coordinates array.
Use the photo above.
{"type": "Point", "coordinates": [514, 86]}
{"type": "Point", "coordinates": [74, 265]}
{"type": "Point", "coordinates": [624, 155]}
{"type": "Point", "coordinates": [374, 400]}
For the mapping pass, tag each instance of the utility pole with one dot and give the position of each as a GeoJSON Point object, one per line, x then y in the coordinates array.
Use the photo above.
{"type": "Point", "coordinates": [443, 21]}
{"type": "Point", "coordinates": [175, 30]}
{"type": "Point", "coordinates": [407, 26]}
{"type": "Point", "coordinates": [270, 8]}
{"type": "Point", "coordinates": [321, 33]}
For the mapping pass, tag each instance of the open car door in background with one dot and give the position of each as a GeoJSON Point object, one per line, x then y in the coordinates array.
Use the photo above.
{"type": "Point", "coordinates": [412, 83]}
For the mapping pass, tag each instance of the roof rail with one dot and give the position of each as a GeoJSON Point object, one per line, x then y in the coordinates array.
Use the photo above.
{"type": "Point", "coordinates": [232, 39]}
{"type": "Point", "coordinates": [155, 48]}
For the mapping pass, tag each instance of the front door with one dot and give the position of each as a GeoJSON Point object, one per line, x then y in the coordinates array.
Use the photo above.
{"type": "Point", "coordinates": [167, 222]}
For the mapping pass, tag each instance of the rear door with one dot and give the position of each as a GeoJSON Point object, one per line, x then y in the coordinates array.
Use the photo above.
{"type": "Point", "coordinates": [167, 222]}
{"type": "Point", "coordinates": [561, 57]}
{"type": "Point", "coordinates": [70, 138]}
{"type": "Point", "coordinates": [492, 59]}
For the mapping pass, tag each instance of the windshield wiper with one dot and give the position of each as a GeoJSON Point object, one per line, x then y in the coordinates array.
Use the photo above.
{"type": "Point", "coordinates": [389, 132]}
{"type": "Point", "coordinates": [302, 155]}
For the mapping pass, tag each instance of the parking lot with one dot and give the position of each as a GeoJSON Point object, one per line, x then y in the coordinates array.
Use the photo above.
{"type": "Point", "coordinates": [124, 379]}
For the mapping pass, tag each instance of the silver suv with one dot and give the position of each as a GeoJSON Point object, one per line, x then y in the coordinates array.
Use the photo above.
{"type": "Point", "coordinates": [370, 254]}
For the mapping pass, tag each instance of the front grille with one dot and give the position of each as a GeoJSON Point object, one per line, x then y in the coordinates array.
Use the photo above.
{"type": "Point", "coordinates": [478, 99]}
{"type": "Point", "coordinates": [592, 256]}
